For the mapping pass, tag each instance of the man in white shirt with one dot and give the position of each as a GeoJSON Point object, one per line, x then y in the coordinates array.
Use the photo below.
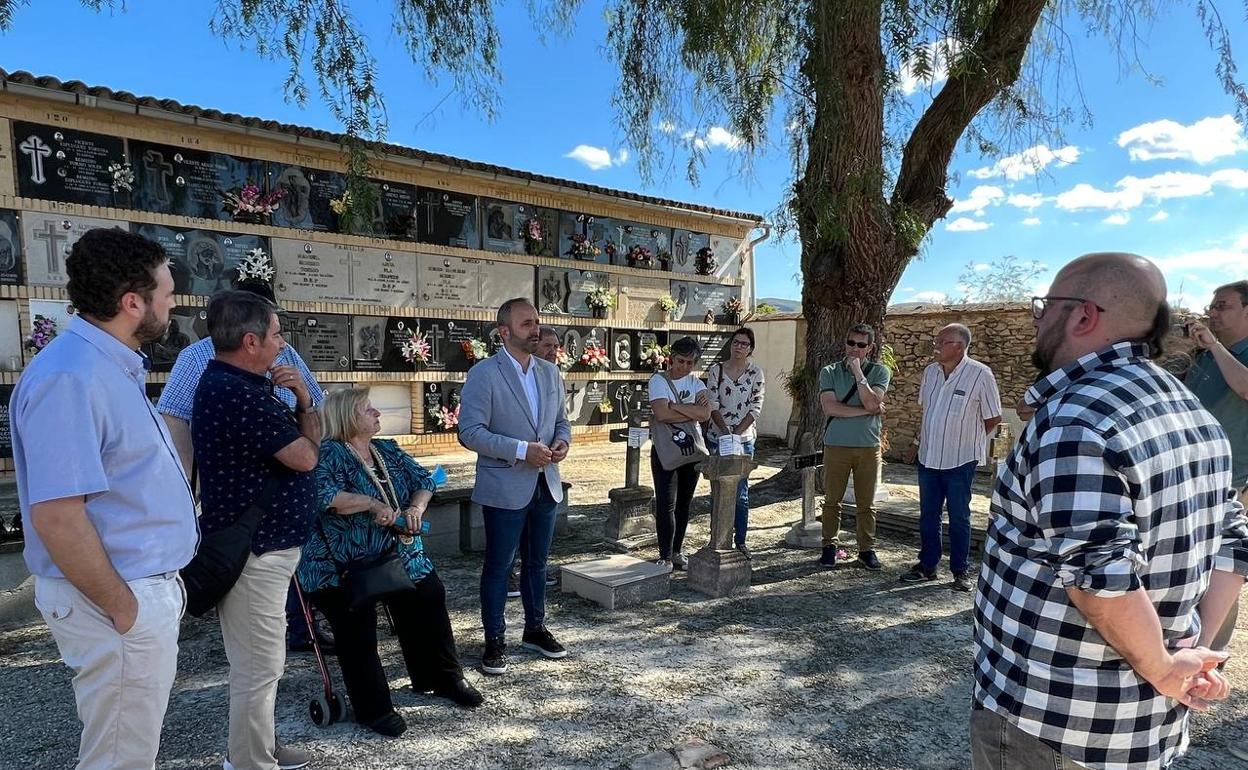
{"type": "Point", "coordinates": [961, 406]}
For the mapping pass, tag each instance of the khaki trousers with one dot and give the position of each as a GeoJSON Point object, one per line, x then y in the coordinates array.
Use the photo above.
{"type": "Point", "coordinates": [253, 627]}
{"type": "Point", "coordinates": [1223, 638]}
{"type": "Point", "coordinates": [838, 463]}
{"type": "Point", "coordinates": [121, 681]}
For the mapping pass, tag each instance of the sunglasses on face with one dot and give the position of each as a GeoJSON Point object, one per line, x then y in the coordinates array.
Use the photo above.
{"type": "Point", "coordinates": [860, 345]}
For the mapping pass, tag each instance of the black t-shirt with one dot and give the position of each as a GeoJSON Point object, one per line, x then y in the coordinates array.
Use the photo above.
{"type": "Point", "coordinates": [237, 425]}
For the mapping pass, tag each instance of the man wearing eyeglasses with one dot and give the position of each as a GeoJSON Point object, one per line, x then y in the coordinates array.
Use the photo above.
{"type": "Point", "coordinates": [1115, 548]}
{"type": "Point", "coordinates": [961, 406]}
{"type": "Point", "coordinates": [851, 394]}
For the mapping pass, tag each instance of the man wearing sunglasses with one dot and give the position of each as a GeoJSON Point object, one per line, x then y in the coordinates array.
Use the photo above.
{"type": "Point", "coordinates": [1115, 546]}
{"type": "Point", "coordinates": [851, 394]}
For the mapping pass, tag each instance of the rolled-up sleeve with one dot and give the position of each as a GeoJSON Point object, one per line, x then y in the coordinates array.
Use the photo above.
{"type": "Point", "coordinates": [1085, 512]}
{"type": "Point", "coordinates": [1233, 554]}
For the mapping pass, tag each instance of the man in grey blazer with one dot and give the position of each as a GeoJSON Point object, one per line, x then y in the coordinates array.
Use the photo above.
{"type": "Point", "coordinates": [512, 415]}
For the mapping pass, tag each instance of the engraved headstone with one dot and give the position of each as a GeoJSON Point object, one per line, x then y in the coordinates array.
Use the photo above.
{"type": "Point", "coordinates": [446, 343]}
{"type": "Point", "coordinates": [306, 198]}
{"type": "Point", "coordinates": [658, 240]}
{"type": "Point", "coordinates": [448, 218]}
{"type": "Point", "coordinates": [596, 229]}
{"type": "Point", "coordinates": [694, 299]}
{"type": "Point", "coordinates": [48, 239]}
{"type": "Point", "coordinates": [377, 343]}
{"type": "Point", "coordinates": [432, 394]}
{"type": "Point", "coordinates": [627, 346]}
{"type": "Point", "coordinates": [575, 339]}
{"type": "Point", "coordinates": [182, 332]}
{"type": "Point", "coordinates": [398, 211]}
{"type": "Point", "coordinates": [202, 262]}
{"type": "Point", "coordinates": [323, 272]}
{"type": "Point", "coordinates": [562, 291]}
{"type": "Point", "coordinates": [519, 228]}
{"type": "Point", "coordinates": [10, 248]}
{"type": "Point", "coordinates": [584, 400]}
{"type": "Point", "coordinates": [729, 254]}
{"type": "Point", "coordinates": [715, 347]}
{"type": "Point", "coordinates": [60, 164]}
{"type": "Point", "coordinates": [10, 337]}
{"type": "Point", "coordinates": [460, 283]}
{"type": "Point", "coordinates": [625, 395]}
{"type": "Point", "coordinates": [323, 340]}
{"type": "Point", "coordinates": [685, 247]}
{"type": "Point", "coordinates": [176, 180]}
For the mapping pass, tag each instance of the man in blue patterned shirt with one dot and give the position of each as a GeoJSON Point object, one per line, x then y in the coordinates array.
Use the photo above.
{"type": "Point", "coordinates": [244, 437]}
{"type": "Point", "coordinates": [1115, 546]}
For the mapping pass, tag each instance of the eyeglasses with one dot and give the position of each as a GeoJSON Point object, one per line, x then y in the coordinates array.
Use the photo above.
{"type": "Point", "coordinates": [1221, 307]}
{"type": "Point", "coordinates": [942, 343]}
{"type": "Point", "coordinates": [860, 345]}
{"type": "Point", "coordinates": [740, 343]}
{"type": "Point", "coordinates": [1039, 304]}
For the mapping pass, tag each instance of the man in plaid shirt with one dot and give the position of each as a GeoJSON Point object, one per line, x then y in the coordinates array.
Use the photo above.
{"type": "Point", "coordinates": [1116, 545]}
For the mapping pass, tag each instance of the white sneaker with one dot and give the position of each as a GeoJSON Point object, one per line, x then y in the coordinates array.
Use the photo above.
{"type": "Point", "coordinates": [679, 561]}
{"type": "Point", "coordinates": [287, 759]}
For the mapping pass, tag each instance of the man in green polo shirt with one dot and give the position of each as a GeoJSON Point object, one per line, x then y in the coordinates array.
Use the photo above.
{"type": "Point", "coordinates": [851, 394]}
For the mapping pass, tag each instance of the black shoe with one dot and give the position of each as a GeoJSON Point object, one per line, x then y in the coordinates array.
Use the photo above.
{"type": "Point", "coordinates": [918, 575]}
{"type": "Point", "coordinates": [461, 692]}
{"type": "Point", "coordinates": [513, 586]}
{"type": "Point", "coordinates": [391, 725]}
{"type": "Point", "coordinates": [961, 582]}
{"type": "Point", "coordinates": [494, 659]}
{"type": "Point", "coordinates": [552, 577]}
{"type": "Point", "coordinates": [544, 642]}
{"type": "Point", "coordinates": [869, 560]}
{"type": "Point", "coordinates": [828, 560]}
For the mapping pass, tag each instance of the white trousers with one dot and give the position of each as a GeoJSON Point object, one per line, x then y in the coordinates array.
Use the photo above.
{"type": "Point", "coordinates": [121, 682]}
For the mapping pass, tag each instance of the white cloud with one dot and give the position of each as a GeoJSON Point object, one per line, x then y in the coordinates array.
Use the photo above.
{"type": "Point", "coordinates": [938, 53]}
{"type": "Point", "coordinates": [621, 156]}
{"type": "Point", "coordinates": [1029, 162]}
{"type": "Point", "coordinates": [929, 296]}
{"type": "Point", "coordinates": [982, 267]}
{"type": "Point", "coordinates": [1031, 221]}
{"type": "Point", "coordinates": [1160, 216]}
{"type": "Point", "coordinates": [966, 225]}
{"type": "Point", "coordinates": [1117, 219]}
{"type": "Point", "coordinates": [1202, 142]}
{"type": "Point", "coordinates": [596, 158]}
{"type": "Point", "coordinates": [980, 198]}
{"type": "Point", "coordinates": [722, 137]}
{"type": "Point", "coordinates": [1132, 191]}
{"type": "Point", "coordinates": [1027, 202]}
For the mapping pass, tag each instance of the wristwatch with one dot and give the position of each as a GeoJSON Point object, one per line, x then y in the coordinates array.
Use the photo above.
{"type": "Point", "coordinates": [310, 410]}
{"type": "Point", "coordinates": [863, 381]}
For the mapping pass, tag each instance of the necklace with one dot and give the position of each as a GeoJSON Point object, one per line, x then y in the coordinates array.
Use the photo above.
{"type": "Point", "coordinates": [383, 484]}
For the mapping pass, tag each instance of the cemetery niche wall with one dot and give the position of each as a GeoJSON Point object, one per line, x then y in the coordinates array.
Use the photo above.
{"type": "Point", "coordinates": [402, 297]}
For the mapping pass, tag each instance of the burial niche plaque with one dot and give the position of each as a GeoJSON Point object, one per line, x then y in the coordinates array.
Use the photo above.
{"type": "Point", "coordinates": [655, 240]}
{"type": "Point", "coordinates": [59, 164]}
{"type": "Point", "coordinates": [520, 228]}
{"type": "Point", "coordinates": [10, 248]}
{"type": "Point", "coordinates": [448, 218]}
{"type": "Point", "coordinates": [324, 272]}
{"type": "Point", "coordinates": [685, 247]}
{"type": "Point", "coordinates": [186, 325]}
{"type": "Point", "coordinates": [461, 283]}
{"type": "Point", "coordinates": [48, 239]}
{"type": "Point", "coordinates": [10, 337]}
{"type": "Point", "coordinates": [585, 238]}
{"type": "Point", "coordinates": [202, 262]}
{"type": "Point", "coordinates": [584, 401]}
{"type": "Point", "coordinates": [175, 180]}
{"type": "Point", "coordinates": [323, 340]}
{"type": "Point", "coordinates": [562, 291]}
{"type": "Point", "coordinates": [449, 343]}
{"type": "Point", "coordinates": [377, 343]}
{"type": "Point", "coordinates": [695, 299]}
{"type": "Point", "coordinates": [306, 197]}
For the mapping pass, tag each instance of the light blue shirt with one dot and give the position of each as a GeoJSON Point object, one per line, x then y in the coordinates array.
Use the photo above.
{"type": "Point", "coordinates": [528, 380]}
{"type": "Point", "coordinates": [83, 427]}
{"type": "Point", "coordinates": [179, 393]}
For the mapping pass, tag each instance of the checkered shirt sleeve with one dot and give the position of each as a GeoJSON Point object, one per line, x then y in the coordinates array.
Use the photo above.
{"type": "Point", "coordinates": [1120, 481]}
{"type": "Point", "coordinates": [178, 394]}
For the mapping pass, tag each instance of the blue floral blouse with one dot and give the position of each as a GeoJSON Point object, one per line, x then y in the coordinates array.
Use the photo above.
{"type": "Point", "coordinates": [355, 536]}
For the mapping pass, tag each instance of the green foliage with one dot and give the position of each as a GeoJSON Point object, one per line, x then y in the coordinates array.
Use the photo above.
{"type": "Point", "coordinates": [888, 357]}
{"type": "Point", "coordinates": [1006, 280]}
{"type": "Point", "coordinates": [766, 308]}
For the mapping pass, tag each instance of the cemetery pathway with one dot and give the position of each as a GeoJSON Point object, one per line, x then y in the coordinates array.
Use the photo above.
{"type": "Point", "coordinates": [809, 669]}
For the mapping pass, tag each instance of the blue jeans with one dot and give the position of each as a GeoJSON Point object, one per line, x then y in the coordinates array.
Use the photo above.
{"type": "Point", "coordinates": [936, 487]}
{"type": "Point", "coordinates": [530, 530]}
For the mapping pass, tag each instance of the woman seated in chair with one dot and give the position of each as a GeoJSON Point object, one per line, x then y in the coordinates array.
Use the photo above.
{"type": "Point", "coordinates": [372, 497]}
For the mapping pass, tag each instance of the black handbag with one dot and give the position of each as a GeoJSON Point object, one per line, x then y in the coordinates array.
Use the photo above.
{"type": "Point", "coordinates": [368, 581]}
{"type": "Point", "coordinates": [222, 555]}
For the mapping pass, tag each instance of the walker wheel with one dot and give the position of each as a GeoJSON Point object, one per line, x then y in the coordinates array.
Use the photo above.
{"type": "Point", "coordinates": [337, 709]}
{"type": "Point", "coordinates": [319, 710]}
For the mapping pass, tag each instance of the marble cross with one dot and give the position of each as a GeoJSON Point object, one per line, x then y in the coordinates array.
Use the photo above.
{"type": "Point", "coordinates": [52, 236]}
{"type": "Point", "coordinates": [37, 150]}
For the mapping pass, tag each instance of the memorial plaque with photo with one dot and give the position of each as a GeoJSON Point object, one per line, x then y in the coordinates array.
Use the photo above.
{"type": "Point", "coordinates": [10, 248]}
{"type": "Point", "coordinates": [506, 228]}
{"type": "Point", "coordinates": [10, 337]}
{"type": "Point", "coordinates": [562, 291]}
{"type": "Point", "coordinates": [694, 299]}
{"type": "Point", "coordinates": [377, 343]}
{"type": "Point", "coordinates": [6, 428]}
{"type": "Point", "coordinates": [331, 272]}
{"type": "Point", "coordinates": [715, 347]}
{"type": "Point", "coordinates": [448, 218]}
{"type": "Point", "coordinates": [627, 345]}
{"type": "Point", "coordinates": [59, 164]}
{"type": "Point", "coordinates": [48, 239]}
{"type": "Point", "coordinates": [398, 208]}
{"type": "Point", "coordinates": [202, 262]}
{"type": "Point", "coordinates": [434, 396]}
{"type": "Point", "coordinates": [461, 283]}
{"type": "Point", "coordinates": [629, 234]}
{"type": "Point", "coordinates": [323, 340]}
{"type": "Point", "coordinates": [584, 401]}
{"type": "Point", "coordinates": [575, 339]}
{"type": "Point", "coordinates": [446, 342]}
{"type": "Point", "coordinates": [186, 326]}
{"type": "Point", "coordinates": [598, 230]}
{"type": "Point", "coordinates": [175, 180]}
{"type": "Point", "coordinates": [306, 198]}
{"type": "Point", "coordinates": [685, 246]}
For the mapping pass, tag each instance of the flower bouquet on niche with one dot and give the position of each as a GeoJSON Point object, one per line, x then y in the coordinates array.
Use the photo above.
{"type": "Point", "coordinates": [562, 359]}
{"type": "Point", "coordinates": [249, 204]}
{"type": "Point", "coordinates": [43, 330]}
{"type": "Point", "coordinates": [475, 350]}
{"type": "Point", "coordinates": [123, 176]}
{"type": "Point", "coordinates": [595, 357]}
{"type": "Point", "coordinates": [641, 257]}
{"type": "Point", "coordinates": [733, 308]}
{"type": "Point", "coordinates": [416, 350]}
{"type": "Point", "coordinates": [666, 306]}
{"type": "Point", "coordinates": [534, 238]}
{"type": "Point", "coordinates": [605, 406]}
{"type": "Point", "coordinates": [600, 300]}
{"type": "Point", "coordinates": [656, 356]}
{"type": "Point", "coordinates": [583, 248]}
{"type": "Point", "coordinates": [447, 418]}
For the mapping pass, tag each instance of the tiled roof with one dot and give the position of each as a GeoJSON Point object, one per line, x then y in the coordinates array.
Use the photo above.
{"type": "Point", "coordinates": [79, 88]}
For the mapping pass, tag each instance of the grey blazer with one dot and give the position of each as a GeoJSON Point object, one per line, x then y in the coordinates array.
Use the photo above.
{"type": "Point", "coordinates": [494, 414]}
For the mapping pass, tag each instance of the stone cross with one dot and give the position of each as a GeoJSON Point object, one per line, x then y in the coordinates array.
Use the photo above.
{"type": "Point", "coordinates": [52, 236]}
{"type": "Point", "coordinates": [37, 150]}
{"type": "Point", "coordinates": [159, 171]}
{"type": "Point", "coordinates": [350, 263]}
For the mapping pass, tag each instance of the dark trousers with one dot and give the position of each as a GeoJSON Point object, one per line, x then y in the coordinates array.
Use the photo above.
{"type": "Point", "coordinates": [530, 531]}
{"type": "Point", "coordinates": [671, 511]}
{"type": "Point", "coordinates": [936, 487]}
{"type": "Point", "coordinates": [996, 744]}
{"type": "Point", "coordinates": [425, 637]}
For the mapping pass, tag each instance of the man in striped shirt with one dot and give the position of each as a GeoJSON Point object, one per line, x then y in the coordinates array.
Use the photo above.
{"type": "Point", "coordinates": [1115, 546]}
{"type": "Point", "coordinates": [961, 406]}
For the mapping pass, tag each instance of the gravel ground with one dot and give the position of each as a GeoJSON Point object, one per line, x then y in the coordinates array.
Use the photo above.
{"type": "Point", "coordinates": [809, 669]}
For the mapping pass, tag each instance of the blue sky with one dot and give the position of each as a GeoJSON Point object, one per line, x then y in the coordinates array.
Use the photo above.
{"type": "Point", "coordinates": [1163, 169]}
